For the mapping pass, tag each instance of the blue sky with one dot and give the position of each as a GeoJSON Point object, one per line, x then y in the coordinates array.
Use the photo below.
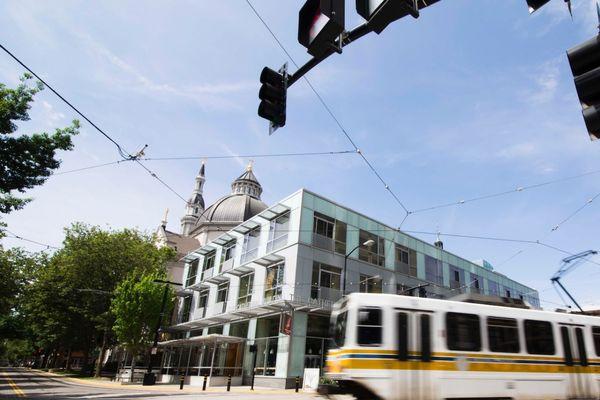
{"type": "Point", "coordinates": [475, 97]}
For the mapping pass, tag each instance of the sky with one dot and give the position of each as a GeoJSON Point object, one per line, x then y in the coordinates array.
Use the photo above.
{"type": "Point", "coordinates": [473, 98]}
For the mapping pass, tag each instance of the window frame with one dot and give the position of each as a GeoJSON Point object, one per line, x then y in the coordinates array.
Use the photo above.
{"type": "Point", "coordinates": [452, 340]}
{"type": "Point", "coordinates": [497, 323]}
{"type": "Point", "coordinates": [596, 339]}
{"type": "Point", "coordinates": [222, 287]}
{"type": "Point", "coordinates": [247, 296]}
{"type": "Point", "coordinates": [278, 281]}
{"type": "Point", "coordinates": [193, 266]}
{"type": "Point", "coordinates": [411, 264]}
{"type": "Point", "coordinates": [529, 341]}
{"type": "Point", "coordinates": [366, 254]}
{"type": "Point", "coordinates": [370, 327]}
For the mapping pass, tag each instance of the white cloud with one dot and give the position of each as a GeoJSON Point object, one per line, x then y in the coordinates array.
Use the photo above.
{"type": "Point", "coordinates": [546, 80]}
{"type": "Point", "coordinates": [51, 115]}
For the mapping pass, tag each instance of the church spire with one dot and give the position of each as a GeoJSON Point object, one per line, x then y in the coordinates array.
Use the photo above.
{"type": "Point", "coordinates": [195, 205]}
{"type": "Point", "coordinates": [247, 183]}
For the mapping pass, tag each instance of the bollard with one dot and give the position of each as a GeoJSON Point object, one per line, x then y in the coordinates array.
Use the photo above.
{"type": "Point", "coordinates": [229, 382]}
{"type": "Point", "coordinates": [181, 379]}
{"type": "Point", "coordinates": [297, 383]}
{"type": "Point", "coordinates": [204, 383]}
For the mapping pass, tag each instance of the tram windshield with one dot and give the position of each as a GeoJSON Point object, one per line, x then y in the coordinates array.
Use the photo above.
{"type": "Point", "coordinates": [338, 328]}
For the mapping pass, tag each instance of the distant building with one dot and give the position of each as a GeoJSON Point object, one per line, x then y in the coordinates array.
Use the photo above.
{"type": "Point", "coordinates": [271, 279]}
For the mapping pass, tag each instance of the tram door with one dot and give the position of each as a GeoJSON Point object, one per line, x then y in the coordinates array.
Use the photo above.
{"type": "Point", "coordinates": [579, 380]}
{"type": "Point", "coordinates": [412, 377]}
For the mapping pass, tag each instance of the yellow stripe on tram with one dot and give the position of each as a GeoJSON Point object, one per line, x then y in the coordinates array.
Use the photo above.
{"type": "Point", "coordinates": [14, 386]}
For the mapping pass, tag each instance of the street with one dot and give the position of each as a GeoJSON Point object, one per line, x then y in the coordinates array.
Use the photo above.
{"type": "Point", "coordinates": [16, 383]}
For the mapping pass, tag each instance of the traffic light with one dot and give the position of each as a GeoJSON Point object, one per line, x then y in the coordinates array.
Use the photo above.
{"type": "Point", "coordinates": [584, 60]}
{"type": "Point", "coordinates": [380, 13]}
{"type": "Point", "coordinates": [535, 4]}
{"type": "Point", "coordinates": [320, 23]}
{"type": "Point", "coordinates": [272, 94]}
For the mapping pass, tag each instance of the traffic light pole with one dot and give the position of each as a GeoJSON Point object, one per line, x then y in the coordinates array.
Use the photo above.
{"type": "Point", "coordinates": [345, 39]}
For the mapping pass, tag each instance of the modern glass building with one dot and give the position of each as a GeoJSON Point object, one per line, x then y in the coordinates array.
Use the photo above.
{"type": "Point", "coordinates": [271, 282]}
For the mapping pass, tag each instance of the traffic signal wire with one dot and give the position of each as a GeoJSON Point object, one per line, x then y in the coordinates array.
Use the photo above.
{"type": "Point", "coordinates": [122, 152]}
{"type": "Point", "coordinates": [331, 114]}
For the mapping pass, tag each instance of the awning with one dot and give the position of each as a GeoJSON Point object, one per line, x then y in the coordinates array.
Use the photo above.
{"type": "Point", "coordinates": [224, 239]}
{"type": "Point", "coordinates": [196, 340]}
{"type": "Point", "coordinates": [268, 259]}
{"type": "Point", "coordinates": [246, 227]}
{"type": "Point", "coordinates": [184, 292]}
{"type": "Point", "coordinates": [274, 212]}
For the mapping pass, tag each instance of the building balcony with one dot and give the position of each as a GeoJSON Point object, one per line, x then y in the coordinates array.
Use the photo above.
{"type": "Point", "coordinates": [277, 243]}
{"type": "Point", "coordinates": [327, 243]}
{"type": "Point", "coordinates": [326, 294]}
{"type": "Point", "coordinates": [227, 265]}
{"type": "Point", "coordinates": [249, 255]}
{"type": "Point", "coordinates": [207, 273]}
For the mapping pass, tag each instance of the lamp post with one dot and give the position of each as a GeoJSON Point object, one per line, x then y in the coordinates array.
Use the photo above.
{"type": "Point", "coordinates": [369, 243]}
{"type": "Point", "coordinates": [149, 378]}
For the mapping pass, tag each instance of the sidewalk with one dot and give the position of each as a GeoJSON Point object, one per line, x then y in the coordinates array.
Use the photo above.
{"type": "Point", "coordinates": [167, 388]}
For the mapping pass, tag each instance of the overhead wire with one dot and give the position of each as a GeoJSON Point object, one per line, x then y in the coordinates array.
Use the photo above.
{"type": "Point", "coordinates": [122, 152]}
{"type": "Point", "coordinates": [231, 156]}
{"type": "Point", "coordinates": [331, 113]}
{"type": "Point", "coordinates": [15, 236]}
{"type": "Point", "coordinates": [88, 167]}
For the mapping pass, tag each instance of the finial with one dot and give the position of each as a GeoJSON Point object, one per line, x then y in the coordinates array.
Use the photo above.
{"type": "Point", "coordinates": [164, 221]}
{"type": "Point", "coordinates": [250, 165]}
{"type": "Point", "coordinates": [201, 173]}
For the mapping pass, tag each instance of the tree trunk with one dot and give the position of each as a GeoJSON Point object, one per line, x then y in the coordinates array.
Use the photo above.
{"type": "Point", "coordinates": [132, 366]}
{"type": "Point", "coordinates": [68, 364]}
{"type": "Point", "coordinates": [101, 355]}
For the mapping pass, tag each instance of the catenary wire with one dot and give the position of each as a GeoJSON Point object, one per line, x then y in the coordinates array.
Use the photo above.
{"type": "Point", "coordinates": [89, 167]}
{"type": "Point", "coordinates": [218, 157]}
{"type": "Point", "coordinates": [331, 114]}
{"type": "Point", "coordinates": [15, 236]}
{"type": "Point", "coordinates": [518, 189]}
{"type": "Point", "coordinates": [123, 153]}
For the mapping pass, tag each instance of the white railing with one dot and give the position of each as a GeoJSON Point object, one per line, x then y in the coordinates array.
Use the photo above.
{"type": "Point", "coordinates": [207, 273]}
{"type": "Point", "coordinates": [227, 265]}
{"type": "Point", "coordinates": [249, 255]}
{"type": "Point", "coordinates": [277, 242]}
{"type": "Point", "coordinates": [200, 313]}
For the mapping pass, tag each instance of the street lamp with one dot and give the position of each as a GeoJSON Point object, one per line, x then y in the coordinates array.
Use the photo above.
{"type": "Point", "coordinates": [149, 378]}
{"type": "Point", "coordinates": [369, 243]}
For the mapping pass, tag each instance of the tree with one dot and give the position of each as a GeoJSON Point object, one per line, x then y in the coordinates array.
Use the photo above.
{"type": "Point", "coordinates": [68, 304]}
{"type": "Point", "coordinates": [136, 306]}
{"type": "Point", "coordinates": [27, 160]}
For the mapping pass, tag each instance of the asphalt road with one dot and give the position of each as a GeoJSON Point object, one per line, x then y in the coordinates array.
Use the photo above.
{"type": "Point", "coordinates": [24, 384]}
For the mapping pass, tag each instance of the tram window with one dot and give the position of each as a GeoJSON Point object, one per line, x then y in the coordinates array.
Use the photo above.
{"type": "Point", "coordinates": [539, 337]}
{"type": "Point", "coordinates": [369, 327]}
{"type": "Point", "coordinates": [464, 333]}
{"type": "Point", "coordinates": [503, 335]}
{"type": "Point", "coordinates": [564, 334]}
{"type": "Point", "coordinates": [581, 347]}
{"type": "Point", "coordinates": [596, 336]}
{"type": "Point", "coordinates": [339, 329]}
{"type": "Point", "coordinates": [425, 338]}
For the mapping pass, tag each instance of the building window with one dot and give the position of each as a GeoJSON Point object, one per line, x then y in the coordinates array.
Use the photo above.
{"type": "Point", "coordinates": [222, 292]}
{"type": "Point", "coordinates": [476, 283]}
{"type": "Point", "coordinates": [463, 332]}
{"type": "Point", "coordinates": [503, 335]}
{"type": "Point", "coordinates": [493, 288]}
{"type": "Point", "coordinates": [186, 309]}
{"type": "Point", "coordinates": [406, 261]}
{"type": "Point", "coordinates": [369, 327]}
{"type": "Point", "coordinates": [207, 267]}
{"type": "Point", "coordinates": [278, 233]}
{"type": "Point", "coordinates": [374, 254]}
{"type": "Point", "coordinates": [192, 272]}
{"type": "Point", "coordinates": [326, 282]}
{"type": "Point", "coordinates": [227, 254]}
{"type": "Point", "coordinates": [202, 302]}
{"type": "Point", "coordinates": [539, 337]}
{"type": "Point", "coordinates": [506, 292]}
{"type": "Point", "coordinates": [434, 271]}
{"type": "Point", "coordinates": [274, 282]}
{"type": "Point", "coordinates": [329, 233]}
{"type": "Point", "coordinates": [457, 278]}
{"type": "Point", "coordinates": [370, 284]}
{"type": "Point", "coordinates": [246, 286]}
{"type": "Point", "coordinates": [250, 248]}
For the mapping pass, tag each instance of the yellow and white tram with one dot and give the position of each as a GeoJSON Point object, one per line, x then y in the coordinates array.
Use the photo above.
{"type": "Point", "coordinates": [401, 347]}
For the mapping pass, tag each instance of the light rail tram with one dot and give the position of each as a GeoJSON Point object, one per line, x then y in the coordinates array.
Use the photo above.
{"type": "Point", "coordinates": [407, 348]}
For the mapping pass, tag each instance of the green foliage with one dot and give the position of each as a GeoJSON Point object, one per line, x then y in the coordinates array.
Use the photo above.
{"type": "Point", "coordinates": [136, 307]}
{"type": "Point", "coordinates": [66, 299]}
{"type": "Point", "coordinates": [27, 160]}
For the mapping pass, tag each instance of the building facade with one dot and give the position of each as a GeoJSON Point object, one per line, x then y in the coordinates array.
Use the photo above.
{"type": "Point", "coordinates": [272, 279]}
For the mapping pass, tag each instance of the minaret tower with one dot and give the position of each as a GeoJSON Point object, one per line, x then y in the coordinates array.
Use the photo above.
{"type": "Point", "coordinates": [195, 205]}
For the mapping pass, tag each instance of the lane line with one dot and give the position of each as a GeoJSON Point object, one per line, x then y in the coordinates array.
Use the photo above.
{"type": "Point", "coordinates": [13, 385]}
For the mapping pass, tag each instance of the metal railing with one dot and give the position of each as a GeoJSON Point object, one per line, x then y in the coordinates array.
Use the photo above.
{"type": "Point", "coordinates": [249, 255]}
{"type": "Point", "coordinates": [277, 242]}
{"type": "Point", "coordinates": [227, 265]}
{"type": "Point", "coordinates": [207, 273]}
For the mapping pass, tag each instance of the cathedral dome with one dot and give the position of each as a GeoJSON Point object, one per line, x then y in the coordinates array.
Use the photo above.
{"type": "Point", "coordinates": [233, 208]}
{"type": "Point", "coordinates": [242, 204]}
